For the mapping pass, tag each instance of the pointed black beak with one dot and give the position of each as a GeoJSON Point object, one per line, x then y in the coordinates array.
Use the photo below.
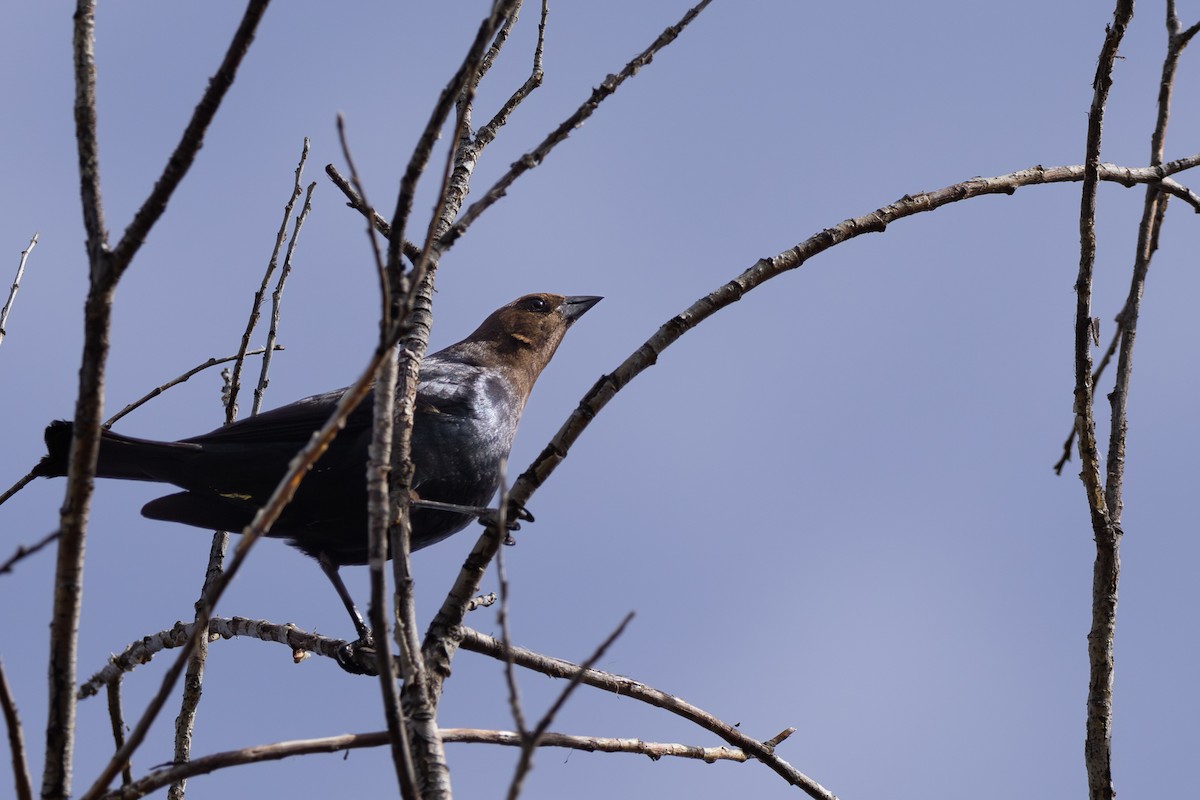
{"type": "Point", "coordinates": [575, 307]}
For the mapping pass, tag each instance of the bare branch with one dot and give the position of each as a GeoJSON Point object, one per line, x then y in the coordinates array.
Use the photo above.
{"type": "Point", "coordinates": [235, 381]}
{"type": "Point", "coordinates": [143, 650]}
{"type": "Point", "coordinates": [16, 487]}
{"type": "Point", "coordinates": [354, 200]}
{"type": "Point", "coordinates": [559, 134]}
{"type": "Point", "coordinates": [1105, 518]}
{"type": "Point", "coordinates": [155, 392]}
{"type": "Point", "coordinates": [486, 134]}
{"type": "Point", "coordinates": [277, 300]}
{"type": "Point", "coordinates": [1069, 444]}
{"type": "Point", "coordinates": [385, 291]}
{"type": "Point", "coordinates": [352, 741]}
{"type": "Point", "coordinates": [16, 284]}
{"type": "Point", "coordinates": [22, 779]}
{"type": "Point", "coordinates": [193, 679]}
{"type": "Point", "coordinates": [510, 677]}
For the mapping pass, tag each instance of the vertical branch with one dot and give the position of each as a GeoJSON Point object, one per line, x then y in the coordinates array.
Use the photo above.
{"type": "Point", "coordinates": [1098, 742]}
{"type": "Point", "coordinates": [16, 284]}
{"type": "Point", "coordinates": [105, 268]}
{"type": "Point", "coordinates": [410, 297]}
{"type": "Point", "coordinates": [68, 570]}
{"type": "Point", "coordinates": [193, 679]}
{"type": "Point", "coordinates": [379, 503]}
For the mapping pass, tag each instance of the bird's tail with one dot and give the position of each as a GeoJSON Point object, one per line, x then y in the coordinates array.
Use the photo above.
{"type": "Point", "coordinates": [120, 456]}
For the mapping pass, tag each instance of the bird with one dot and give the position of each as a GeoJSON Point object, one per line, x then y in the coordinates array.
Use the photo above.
{"type": "Point", "coordinates": [469, 400]}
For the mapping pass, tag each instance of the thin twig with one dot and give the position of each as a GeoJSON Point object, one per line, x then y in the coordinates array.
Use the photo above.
{"type": "Point", "coordinates": [369, 212]}
{"type": "Point", "coordinates": [510, 677]}
{"type": "Point", "coordinates": [559, 134]}
{"type": "Point", "coordinates": [117, 718]}
{"type": "Point", "coordinates": [277, 300]}
{"type": "Point", "coordinates": [22, 779]}
{"type": "Point", "coordinates": [155, 392]}
{"type": "Point", "coordinates": [489, 58]}
{"type": "Point", "coordinates": [534, 738]}
{"type": "Point", "coordinates": [25, 551]}
{"type": "Point", "coordinates": [354, 200]}
{"type": "Point", "coordinates": [235, 381]}
{"type": "Point", "coordinates": [487, 133]}
{"type": "Point", "coordinates": [18, 486]}
{"type": "Point", "coordinates": [16, 284]}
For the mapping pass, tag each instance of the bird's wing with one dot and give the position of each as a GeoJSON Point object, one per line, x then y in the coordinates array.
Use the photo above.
{"type": "Point", "coordinates": [447, 388]}
{"type": "Point", "coordinates": [294, 422]}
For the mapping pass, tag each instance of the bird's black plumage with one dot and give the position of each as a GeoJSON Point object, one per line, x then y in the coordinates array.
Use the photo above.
{"type": "Point", "coordinates": [469, 401]}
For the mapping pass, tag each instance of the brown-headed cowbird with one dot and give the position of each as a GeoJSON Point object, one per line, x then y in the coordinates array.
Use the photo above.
{"type": "Point", "coordinates": [469, 401]}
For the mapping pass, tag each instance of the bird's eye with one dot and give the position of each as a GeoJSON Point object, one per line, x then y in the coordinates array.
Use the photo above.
{"type": "Point", "coordinates": [537, 304]}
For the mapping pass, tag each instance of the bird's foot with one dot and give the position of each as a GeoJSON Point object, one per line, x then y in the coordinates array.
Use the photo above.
{"type": "Point", "coordinates": [512, 521]}
{"type": "Point", "coordinates": [358, 657]}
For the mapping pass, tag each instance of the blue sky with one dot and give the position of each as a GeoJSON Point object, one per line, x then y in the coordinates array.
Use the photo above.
{"type": "Point", "coordinates": [831, 505]}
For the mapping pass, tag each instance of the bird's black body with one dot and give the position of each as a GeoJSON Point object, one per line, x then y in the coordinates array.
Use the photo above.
{"type": "Point", "coordinates": [469, 401]}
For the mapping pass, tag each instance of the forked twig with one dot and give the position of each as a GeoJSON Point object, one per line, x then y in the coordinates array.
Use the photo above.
{"type": "Point", "coordinates": [559, 134]}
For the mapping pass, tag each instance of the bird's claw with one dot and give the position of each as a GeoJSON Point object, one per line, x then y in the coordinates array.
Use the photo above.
{"type": "Point", "coordinates": [512, 521]}
{"type": "Point", "coordinates": [358, 657]}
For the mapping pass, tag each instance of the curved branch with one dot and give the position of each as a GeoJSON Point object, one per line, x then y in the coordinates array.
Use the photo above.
{"type": "Point", "coordinates": [765, 269]}
{"type": "Point", "coordinates": [353, 741]}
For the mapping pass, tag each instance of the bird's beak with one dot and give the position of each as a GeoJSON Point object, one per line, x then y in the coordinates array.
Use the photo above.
{"type": "Point", "coordinates": [575, 307]}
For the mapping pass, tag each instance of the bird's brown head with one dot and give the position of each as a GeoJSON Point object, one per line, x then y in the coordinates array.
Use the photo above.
{"type": "Point", "coordinates": [524, 334]}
